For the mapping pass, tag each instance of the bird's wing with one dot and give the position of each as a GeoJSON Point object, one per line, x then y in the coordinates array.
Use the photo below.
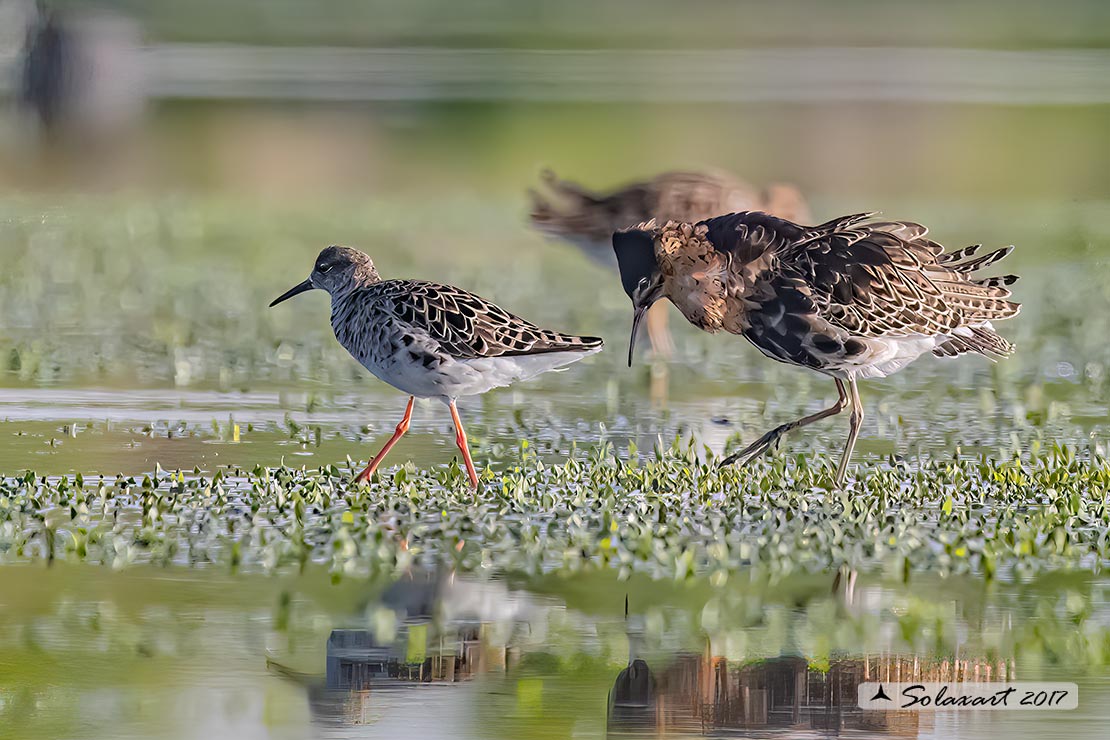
{"type": "Point", "coordinates": [748, 235]}
{"type": "Point", "coordinates": [467, 326]}
{"type": "Point", "coordinates": [877, 279]}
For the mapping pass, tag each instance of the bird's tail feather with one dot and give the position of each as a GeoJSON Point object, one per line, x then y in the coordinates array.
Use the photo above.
{"type": "Point", "coordinates": [980, 339]}
{"type": "Point", "coordinates": [979, 263]}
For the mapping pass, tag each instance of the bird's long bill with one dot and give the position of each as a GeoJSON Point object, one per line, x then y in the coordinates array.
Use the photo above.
{"type": "Point", "coordinates": [636, 319]}
{"type": "Point", "coordinates": [295, 290]}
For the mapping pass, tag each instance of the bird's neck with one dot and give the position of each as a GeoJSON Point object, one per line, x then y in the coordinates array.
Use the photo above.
{"type": "Point", "coordinates": [695, 275]}
{"type": "Point", "coordinates": [712, 288]}
{"type": "Point", "coordinates": [352, 291]}
{"type": "Point", "coordinates": [364, 277]}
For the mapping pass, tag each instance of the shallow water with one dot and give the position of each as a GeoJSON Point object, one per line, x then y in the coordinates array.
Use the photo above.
{"type": "Point", "coordinates": [110, 381]}
{"type": "Point", "coordinates": [186, 654]}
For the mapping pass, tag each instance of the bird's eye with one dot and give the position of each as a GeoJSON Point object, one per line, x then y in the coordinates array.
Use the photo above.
{"type": "Point", "coordinates": [323, 268]}
{"type": "Point", "coordinates": [643, 283]}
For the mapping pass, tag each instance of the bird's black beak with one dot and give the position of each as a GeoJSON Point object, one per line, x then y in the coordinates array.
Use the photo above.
{"type": "Point", "coordinates": [295, 290]}
{"type": "Point", "coordinates": [636, 319]}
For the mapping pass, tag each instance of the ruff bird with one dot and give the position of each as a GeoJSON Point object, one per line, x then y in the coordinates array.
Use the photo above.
{"type": "Point", "coordinates": [853, 298]}
{"type": "Point", "coordinates": [588, 219]}
{"type": "Point", "coordinates": [431, 340]}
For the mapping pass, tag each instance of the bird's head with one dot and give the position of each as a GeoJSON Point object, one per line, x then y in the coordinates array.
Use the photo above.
{"type": "Point", "coordinates": [640, 274]}
{"type": "Point", "coordinates": [337, 270]}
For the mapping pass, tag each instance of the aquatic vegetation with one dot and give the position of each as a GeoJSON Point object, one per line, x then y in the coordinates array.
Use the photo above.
{"type": "Point", "coordinates": [667, 515]}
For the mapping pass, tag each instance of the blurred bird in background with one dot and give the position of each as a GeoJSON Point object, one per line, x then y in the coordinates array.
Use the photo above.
{"type": "Point", "coordinates": [588, 218]}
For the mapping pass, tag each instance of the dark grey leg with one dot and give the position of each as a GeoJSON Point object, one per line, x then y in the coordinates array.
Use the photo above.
{"type": "Point", "coordinates": [767, 441]}
{"type": "Point", "coordinates": [856, 422]}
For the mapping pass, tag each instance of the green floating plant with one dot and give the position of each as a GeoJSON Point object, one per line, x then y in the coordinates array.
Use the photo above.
{"type": "Point", "coordinates": [671, 516]}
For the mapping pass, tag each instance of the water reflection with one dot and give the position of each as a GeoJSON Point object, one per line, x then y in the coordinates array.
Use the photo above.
{"type": "Point", "coordinates": [363, 674]}
{"type": "Point", "coordinates": [428, 645]}
{"type": "Point", "coordinates": [429, 636]}
{"type": "Point", "coordinates": [188, 653]}
{"type": "Point", "coordinates": [428, 629]}
{"type": "Point", "coordinates": [706, 693]}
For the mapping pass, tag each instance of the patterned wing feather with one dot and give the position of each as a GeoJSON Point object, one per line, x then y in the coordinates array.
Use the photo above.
{"type": "Point", "coordinates": [748, 235]}
{"type": "Point", "coordinates": [467, 326]}
{"type": "Point", "coordinates": [884, 279]}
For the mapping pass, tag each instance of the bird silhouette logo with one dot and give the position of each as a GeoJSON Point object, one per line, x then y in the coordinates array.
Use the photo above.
{"type": "Point", "coordinates": [880, 694]}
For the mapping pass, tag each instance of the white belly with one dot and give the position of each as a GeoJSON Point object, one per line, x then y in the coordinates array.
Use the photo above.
{"type": "Point", "coordinates": [891, 354]}
{"type": "Point", "coordinates": [458, 378]}
{"type": "Point", "coordinates": [884, 356]}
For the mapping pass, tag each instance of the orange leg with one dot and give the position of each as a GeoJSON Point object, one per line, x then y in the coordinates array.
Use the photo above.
{"type": "Point", "coordinates": [460, 440]}
{"type": "Point", "coordinates": [401, 429]}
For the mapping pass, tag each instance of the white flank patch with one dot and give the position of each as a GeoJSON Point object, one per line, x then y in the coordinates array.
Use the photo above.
{"type": "Point", "coordinates": [891, 354]}
{"type": "Point", "coordinates": [495, 372]}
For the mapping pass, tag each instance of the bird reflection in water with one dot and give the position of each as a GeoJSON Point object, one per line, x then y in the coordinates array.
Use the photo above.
{"type": "Point", "coordinates": [448, 630]}
{"type": "Point", "coordinates": [444, 630]}
{"type": "Point", "coordinates": [704, 694]}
